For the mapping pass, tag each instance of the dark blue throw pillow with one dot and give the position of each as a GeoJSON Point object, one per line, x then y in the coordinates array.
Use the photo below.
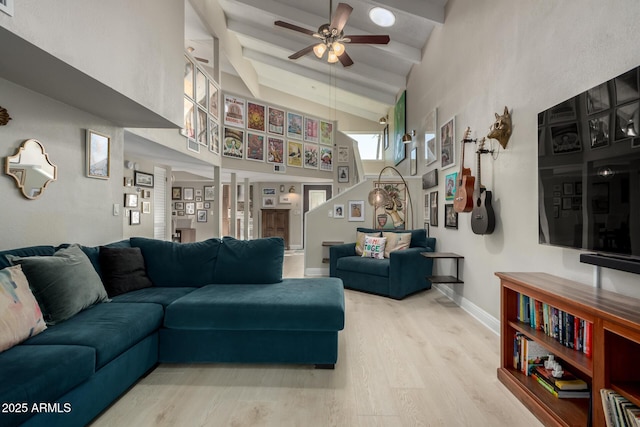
{"type": "Point", "coordinates": [172, 264]}
{"type": "Point", "coordinates": [257, 261]}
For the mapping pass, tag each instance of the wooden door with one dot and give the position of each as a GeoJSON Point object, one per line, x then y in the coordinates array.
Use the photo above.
{"type": "Point", "coordinates": [275, 222]}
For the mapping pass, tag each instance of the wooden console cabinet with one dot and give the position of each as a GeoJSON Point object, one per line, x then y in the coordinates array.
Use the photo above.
{"type": "Point", "coordinates": [615, 358]}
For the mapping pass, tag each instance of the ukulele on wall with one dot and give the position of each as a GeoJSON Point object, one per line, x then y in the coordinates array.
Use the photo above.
{"type": "Point", "coordinates": [483, 219]}
{"type": "Point", "coordinates": [463, 200]}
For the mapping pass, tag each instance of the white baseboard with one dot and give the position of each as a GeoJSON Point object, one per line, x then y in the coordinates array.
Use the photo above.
{"type": "Point", "coordinates": [316, 272]}
{"type": "Point", "coordinates": [479, 314]}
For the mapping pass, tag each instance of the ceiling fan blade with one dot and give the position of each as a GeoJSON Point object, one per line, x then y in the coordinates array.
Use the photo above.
{"type": "Point", "coordinates": [302, 52]}
{"type": "Point", "coordinates": [345, 59]}
{"type": "Point", "coordinates": [341, 16]}
{"type": "Point", "coordinates": [294, 27]}
{"type": "Point", "coordinates": [368, 39]}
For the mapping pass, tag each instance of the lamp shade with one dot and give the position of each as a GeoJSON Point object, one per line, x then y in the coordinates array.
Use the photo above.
{"type": "Point", "coordinates": [379, 197]}
{"type": "Point", "coordinates": [406, 138]}
{"type": "Point", "coordinates": [332, 58]}
{"type": "Point", "coordinates": [319, 50]}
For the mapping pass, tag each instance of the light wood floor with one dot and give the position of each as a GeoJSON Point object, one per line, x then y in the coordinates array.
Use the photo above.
{"type": "Point", "coordinates": [421, 361]}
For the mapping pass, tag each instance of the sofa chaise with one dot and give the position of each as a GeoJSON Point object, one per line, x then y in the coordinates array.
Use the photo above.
{"type": "Point", "coordinates": [400, 274]}
{"type": "Point", "coordinates": [220, 300]}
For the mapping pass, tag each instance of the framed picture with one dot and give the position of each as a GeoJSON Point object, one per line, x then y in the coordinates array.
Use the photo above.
{"type": "Point", "coordinates": [447, 138]}
{"type": "Point", "coordinates": [201, 216]}
{"type": "Point", "coordinates": [430, 140]}
{"type": "Point", "coordinates": [255, 147]}
{"type": "Point", "coordinates": [394, 215]}
{"type": "Point", "coordinates": [294, 125]}
{"type": "Point", "coordinates": [234, 114]}
{"type": "Point", "coordinates": [430, 179]}
{"type": "Point", "coordinates": [201, 88]}
{"type": "Point", "coordinates": [338, 211]}
{"type": "Point", "coordinates": [188, 77]}
{"type": "Point", "coordinates": [187, 193]}
{"type": "Point", "coordinates": [179, 206]}
{"type": "Point", "coordinates": [213, 100]}
{"type": "Point", "coordinates": [400, 126]}
{"type": "Point", "coordinates": [134, 217]}
{"type": "Point", "coordinates": [450, 216]}
{"type": "Point", "coordinates": [128, 182]}
{"type": "Point", "coordinates": [343, 173]}
{"type": "Point", "coordinates": [269, 202]}
{"type": "Point", "coordinates": [294, 154]}
{"type": "Point", "coordinates": [275, 151]}
{"type": "Point", "coordinates": [426, 207]}
{"type": "Point", "coordinates": [450, 184]}
{"type": "Point", "coordinates": [207, 205]}
{"type": "Point", "coordinates": [326, 133]}
{"type": "Point", "coordinates": [343, 154]}
{"type": "Point", "coordinates": [209, 193]}
{"type": "Point", "coordinates": [146, 194]}
{"type": "Point", "coordinates": [130, 200]}
{"type": "Point", "coordinates": [326, 158]}
{"type": "Point", "coordinates": [311, 130]}
{"type": "Point", "coordinates": [233, 143]}
{"type": "Point", "coordinates": [268, 191]}
{"type": "Point", "coordinates": [190, 208]}
{"type": "Point", "coordinates": [98, 155]}
{"type": "Point", "coordinates": [146, 207]}
{"type": "Point", "coordinates": [189, 121]}
{"type": "Point", "coordinates": [356, 210]}
{"type": "Point", "coordinates": [566, 203]}
{"type": "Point", "coordinates": [176, 193]}
{"type": "Point", "coordinates": [433, 203]}
{"type": "Point", "coordinates": [413, 159]}
{"type": "Point", "coordinates": [276, 121]}
{"type": "Point", "coordinates": [311, 156]}
{"type": "Point", "coordinates": [256, 116]}
{"type": "Point", "coordinates": [563, 112]}
{"type": "Point", "coordinates": [203, 130]}
{"type": "Point", "coordinates": [142, 179]}
{"type": "Point", "coordinates": [285, 200]}
{"type": "Point", "coordinates": [626, 87]}
{"type": "Point", "coordinates": [193, 145]}
{"type": "Point", "coordinates": [598, 98]}
{"type": "Point", "coordinates": [198, 198]}
{"type": "Point", "coordinates": [567, 188]}
{"type": "Point", "coordinates": [180, 213]}
{"type": "Point", "coordinates": [627, 121]}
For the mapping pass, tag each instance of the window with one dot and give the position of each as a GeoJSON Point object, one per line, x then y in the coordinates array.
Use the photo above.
{"type": "Point", "coordinates": [6, 6]}
{"type": "Point", "coordinates": [369, 145]}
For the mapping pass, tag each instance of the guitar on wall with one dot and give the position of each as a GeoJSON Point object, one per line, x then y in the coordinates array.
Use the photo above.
{"type": "Point", "coordinates": [463, 200]}
{"type": "Point", "coordinates": [483, 219]}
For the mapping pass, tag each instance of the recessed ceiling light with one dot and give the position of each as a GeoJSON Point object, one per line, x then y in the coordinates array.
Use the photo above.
{"type": "Point", "coordinates": [382, 17]}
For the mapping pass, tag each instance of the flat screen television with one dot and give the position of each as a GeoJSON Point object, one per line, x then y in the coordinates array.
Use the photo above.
{"type": "Point", "coordinates": [589, 170]}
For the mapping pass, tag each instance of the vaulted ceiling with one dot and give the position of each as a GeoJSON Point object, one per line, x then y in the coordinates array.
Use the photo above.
{"type": "Point", "coordinates": [257, 51]}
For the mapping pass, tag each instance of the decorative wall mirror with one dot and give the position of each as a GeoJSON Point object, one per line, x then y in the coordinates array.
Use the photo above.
{"type": "Point", "coordinates": [31, 168]}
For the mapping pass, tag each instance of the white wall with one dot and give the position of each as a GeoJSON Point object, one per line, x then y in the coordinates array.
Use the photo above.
{"type": "Point", "coordinates": [74, 208]}
{"type": "Point", "coordinates": [528, 56]}
{"type": "Point", "coordinates": [134, 47]}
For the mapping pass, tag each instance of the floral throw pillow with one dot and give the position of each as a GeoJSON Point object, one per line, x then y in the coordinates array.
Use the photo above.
{"type": "Point", "coordinates": [20, 315]}
{"type": "Point", "coordinates": [374, 247]}
{"type": "Point", "coordinates": [396, 242]}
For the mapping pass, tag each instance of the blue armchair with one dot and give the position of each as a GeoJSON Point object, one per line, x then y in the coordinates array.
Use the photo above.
{"type": "Point", "coordinates": [402, 274]}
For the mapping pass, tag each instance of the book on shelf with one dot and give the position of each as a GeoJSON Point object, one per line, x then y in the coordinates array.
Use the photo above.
{"type": "Point", "coordinates": [619, 411]}
{"type": "Point", "coordinates": [567, 381]}
{"type": "Point", "coordinates": [569, 330]}
{"type": "Point", "coordinates": [561, 394]}
{"type": "Point", "coordinates": [527, 354]}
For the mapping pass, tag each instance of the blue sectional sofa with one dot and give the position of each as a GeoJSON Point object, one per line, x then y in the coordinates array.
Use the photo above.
{"type": "Point", "coordinates": [221, 300]}
{"type": "Point", "coordinates": [398, 276]}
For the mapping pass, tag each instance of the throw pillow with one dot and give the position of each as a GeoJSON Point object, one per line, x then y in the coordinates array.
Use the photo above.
{"type": "Point", "coordinates": [64, 284]}
{"type": "Point", "coordinates": [360, 240]}
{"type": "Point", "coordinates": [374, 247]}
{"type": "Point", "coordinates": [257, 261]}
{"type": "Point", "coordinates": [20, 315]}
{"type": "Point", "coordinates": [123, 270]}
{"type": "Point", "coordinates": [396, 242]}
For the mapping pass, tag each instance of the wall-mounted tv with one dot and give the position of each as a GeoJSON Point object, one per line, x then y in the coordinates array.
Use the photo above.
{"type": "Point", "coordinates": [589, 169]}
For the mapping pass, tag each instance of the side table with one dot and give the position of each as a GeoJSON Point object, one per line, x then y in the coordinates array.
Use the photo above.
{"type": "Point", "coordinates": [445, 255]}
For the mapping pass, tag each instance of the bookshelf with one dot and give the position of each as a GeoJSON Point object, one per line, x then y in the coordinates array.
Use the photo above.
{"type": "Point", "coordinates": [615, 346]}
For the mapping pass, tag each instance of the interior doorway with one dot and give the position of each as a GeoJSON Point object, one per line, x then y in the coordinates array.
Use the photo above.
{"type": "Point", "coordinates": [314, 196]}
{"type": "Point", "coordinates": [275, 223]}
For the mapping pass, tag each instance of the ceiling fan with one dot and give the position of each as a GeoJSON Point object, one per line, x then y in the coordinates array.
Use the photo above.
{"type": "Point", "coordinates": [332, 38]}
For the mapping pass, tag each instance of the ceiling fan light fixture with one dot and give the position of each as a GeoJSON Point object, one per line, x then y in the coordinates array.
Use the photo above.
{"type": "Point", "coordinates": [332, 58]}
{"type": "Point", "coordinates": [382, 17]}
{"type": "Point", "coordinates": [319, 50]}
{"type": "Point", "coordinates": [338, 48]}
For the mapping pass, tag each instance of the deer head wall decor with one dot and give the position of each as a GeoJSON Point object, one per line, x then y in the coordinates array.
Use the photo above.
{"type": "Point", "coordinates": [4, 116]}
{"type": "Point", "coordinates": [501, 128]}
